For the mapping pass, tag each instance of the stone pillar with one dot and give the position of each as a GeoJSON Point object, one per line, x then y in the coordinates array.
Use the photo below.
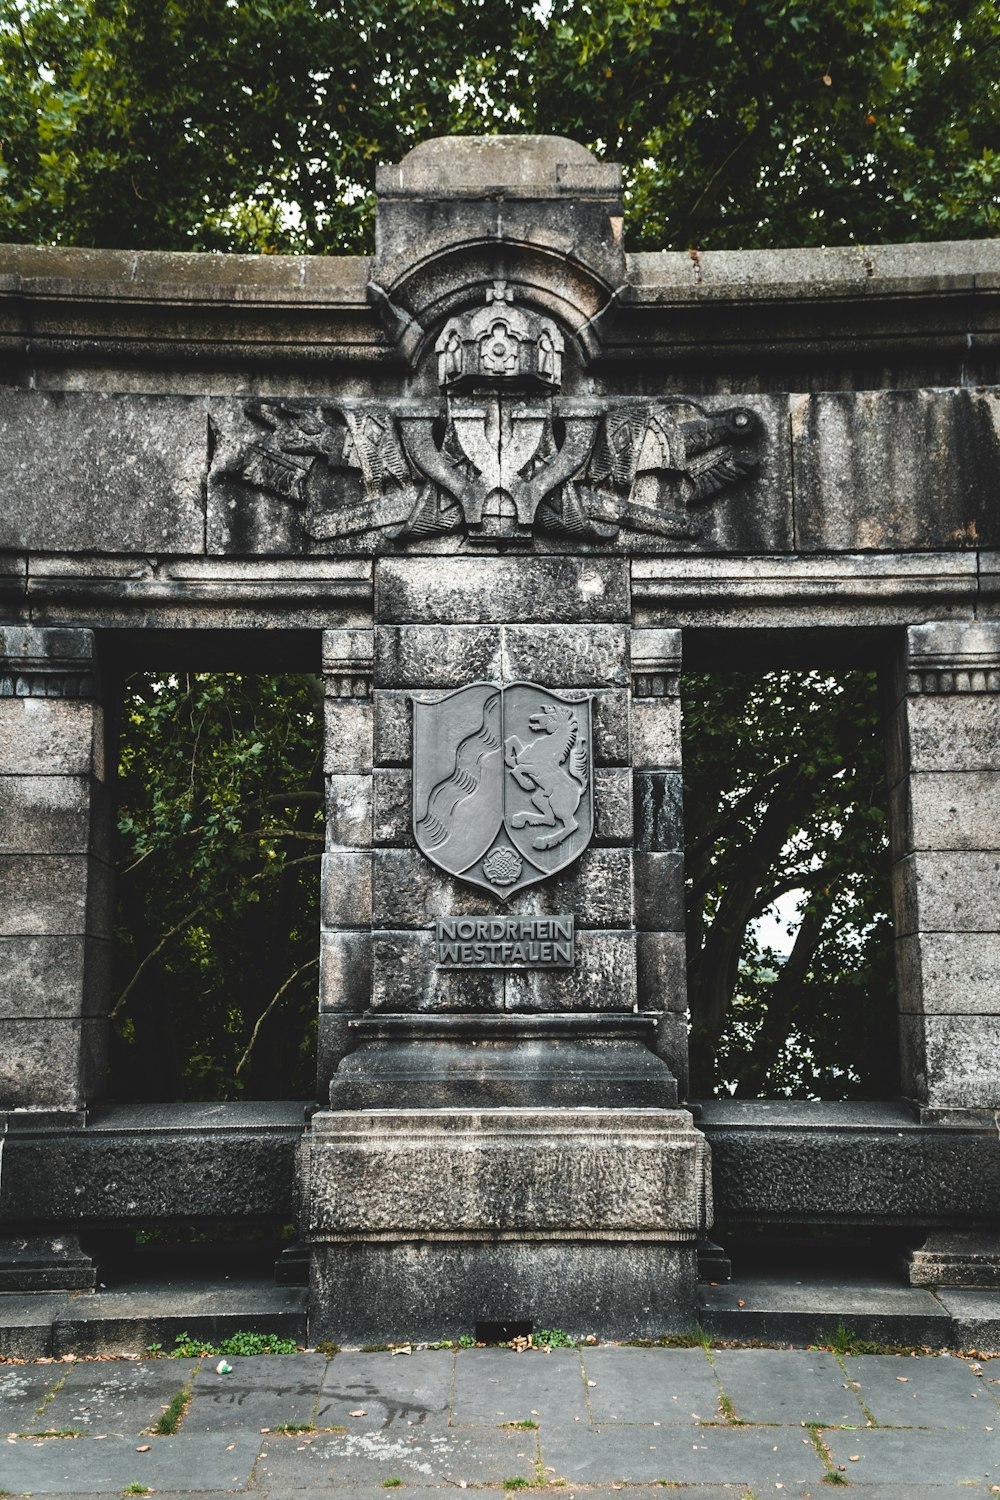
{"type": "Point", "coordinates": [346, 937]}
{"type": "Point", "coordinates": [945, 766]}
{"type": "Point", "coordinates": [503, 1143]}
{"type": "Point", "coordinates": [55, 877]}
{"type": "Point", "coordinates": [659, 842]}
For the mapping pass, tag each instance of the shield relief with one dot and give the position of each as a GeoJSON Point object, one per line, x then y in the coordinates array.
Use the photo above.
{"type": "Point", "coordinates": [502, 783]}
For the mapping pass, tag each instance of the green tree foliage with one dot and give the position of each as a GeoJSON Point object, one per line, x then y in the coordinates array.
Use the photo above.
{"type": "Point", "coordinates": [220, 823]}
{"type": "Point", "coordinates": [784, 791]}
{"type": "Point", "coordinates": [257, 124]}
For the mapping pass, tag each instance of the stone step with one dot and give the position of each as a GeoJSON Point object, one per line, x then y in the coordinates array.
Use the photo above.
{"type": "Point", "coordinates": [821, 1307]}
{"type": "Point", "coordinates": [132, 1316]}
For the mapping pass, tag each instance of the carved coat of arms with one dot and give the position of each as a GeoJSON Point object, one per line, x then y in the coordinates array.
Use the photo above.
{"type": "Point", "coordinates": [502, 454]}
{"type": "Point", "coordinates": [502, 783]}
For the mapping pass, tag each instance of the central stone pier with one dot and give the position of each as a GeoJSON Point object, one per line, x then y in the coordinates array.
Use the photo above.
{"type": "Point", "coordinates": [503, 1005]}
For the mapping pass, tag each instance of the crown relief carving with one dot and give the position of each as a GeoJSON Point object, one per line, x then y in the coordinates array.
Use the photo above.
{"type": "Point", "coordinates": [502, 454]}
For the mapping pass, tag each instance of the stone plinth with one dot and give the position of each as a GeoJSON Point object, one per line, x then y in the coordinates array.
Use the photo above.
{"type": "Point", "coordinates": [427, 1222]}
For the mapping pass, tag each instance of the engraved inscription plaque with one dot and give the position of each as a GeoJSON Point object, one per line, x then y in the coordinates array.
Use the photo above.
{"type": "Point", "coordinates": [505, 942]}
{"type": "Point", "coordinates": [502, 789]}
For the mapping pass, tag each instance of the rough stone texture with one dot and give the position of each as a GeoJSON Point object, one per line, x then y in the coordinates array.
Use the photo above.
{"type": "Point", "coordinates": [50, 737]}
{"type": "Point", "coordinates": [656, 733]}
{"type": "Point", "coordinates": [348, 737]}
{"type": "Point", "coordinates": [348, 812]}
{"type": "Point", "coordinates": [659, 891]}
{"type": "Point", "coordinates": [60, 1063]}
{"type": "Point", "coordinates": [601, 1171]}
{"type": "Point", "coordinates": [345, 971]}
{"type": "Point", "coordinates": [61, 975]}
{"type": "Point", "coordinates": [633, 1290]}
{"type": "Point", "coordinates": [418, 656]}
{"type": "Point", "coordinates": [951, 891]}
{"type": "Point", "coordinates": [154, 1162]}
{"type": "Point", "coordinates": [392, 814]}
{"type": "Point", "coordinates": [406, 977]}
{"type": "Point", "coordinates": [947, 732]}
{"type": "Point", "coordinates": [46, 893]}
{"type": "Point", "coordinates": [603, 978]}
{"type": "Point", "coordinates": [950, 1061]}
{"type": "Point", "coordinates": [613, 823]}
{"type": "Point", "coordinates": [661, 971]}
{"type": "Point", "coordinates": [895, 470]}
{"type": "Point", "coordinates": [949, 973]}
{"type": "Point", "coordinates": [516, 1180]}
{"type": "Point", "coordinates": [566, 656]}
{"type": "Point", "coordinates": [346, 895]}
{"type": "Point", "coordinates": [659, 811]}
{"type": "Point", "coordinates": [408, 890]}
{"type": "Point", "coordinates": [789, 1162]}
{"type": "Point", "coordinates": [474, 590]}
{"type": "Point", "coordinates": [946, 810]}
{"type": "Point", "coordinates": [118, 473]}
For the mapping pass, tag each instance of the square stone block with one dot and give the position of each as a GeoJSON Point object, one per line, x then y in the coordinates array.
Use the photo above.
{"type": "Point", "coordinates": [476, 590]}
{"type": "Point", "coordinates": [102, 472]}
{"type": "Point", "coordinates": [54, 815]}
{"type": "Point", "coordinates": [942, 810]}
{"type": "Point", "coordinates": [406, 977]}
{"type": "Point", "coordinates": [51, 1063]}
{"type": "Point", "coordinates": [393, 728]}
{"type": "Point", "coordinates": [613, 805]}
{"type": "Point", "coordinates": [656, 733]}
{"type": "Point", "coordinates": [346, 898]}
{"type": "Point", "coordinates": [611, 728]}
{"type": "Point", "coordinates": [348, 737]}
{"type": "Point", "coordinates": [59, 976]}
{"type": "Point", "coordinates": [54, 893]}
{"type": "Point", "coordinates": [951, 1061]}
{"type": "Point", "coordinates": [659, 811]}
{"type": "Point", "coordinates": [436, 656]}
{"type": "Point", "coordinates": [603, 978]}
{"type": "Point", "coordinates": [893, 470]}
{"type": "Point", "coordinates": [348, 812]}
{"type": "Point", "coordinates": [950, 973]}
{"type": "Point", "coordinates": [51, 737]}
{"type": "Point", "coordinates": [393, 806]}
{"type": "Point", "coordinates": [946, 732]}
{"type": "Point", "coordinates": [661, 967]}
{"type": "Point", "coordinates": [345, 974]}
{"type": "Point", "coordinates": [566, 656]}
{"type": "Point", "coordinates": [659, 891]}
{"type": "Point", "coordinates": [947, 892]}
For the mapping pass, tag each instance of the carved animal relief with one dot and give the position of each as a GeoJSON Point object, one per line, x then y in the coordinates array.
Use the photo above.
{"type": "Point", "coordinates": [502, 455]}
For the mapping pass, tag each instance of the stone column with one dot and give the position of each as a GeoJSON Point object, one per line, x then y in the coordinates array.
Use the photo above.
{"type": "Point", "coordinates": [55, 914]}
{"type": "Point", "coordinates": [945, 766]}
{"type": "Point", "coordinates": [659, 842]}
{"type": "Point", "coordinates": [346, 904]}
{"type": "Point", "coordinates": [55, 877]}
{"type": "Point", "coordinates": [503, 1144]}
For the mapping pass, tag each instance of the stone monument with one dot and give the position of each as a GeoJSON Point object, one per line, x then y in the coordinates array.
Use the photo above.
{"type": "Point", "coordinates": [491, 482]}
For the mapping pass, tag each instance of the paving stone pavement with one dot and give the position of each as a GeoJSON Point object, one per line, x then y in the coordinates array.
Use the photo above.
{"type": "Point", "coordinates": [708, 1424]}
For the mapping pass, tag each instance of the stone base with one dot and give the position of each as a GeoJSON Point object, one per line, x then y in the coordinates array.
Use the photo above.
{"type": "Point", "coordinates": [963, 1259]}
{"type": "Point", "coordinates": [45, 1263]}
{"type": "Point", "coordinates": [423, 1223]}
{"type": "Point", "coordinates": [371, 1293]}
{"type": "Point", "coordinates": [460, 1061]}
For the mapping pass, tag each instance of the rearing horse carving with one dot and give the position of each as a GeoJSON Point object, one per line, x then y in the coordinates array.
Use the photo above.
{"type": "Point", "coordinates": [554, 770]}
